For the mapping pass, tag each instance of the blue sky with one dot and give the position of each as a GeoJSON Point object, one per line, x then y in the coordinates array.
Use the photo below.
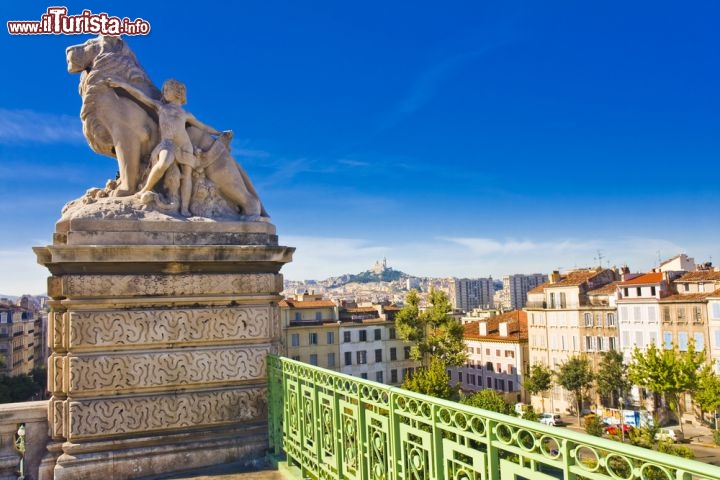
{"type": "Point", "coordinates": [455, 138]}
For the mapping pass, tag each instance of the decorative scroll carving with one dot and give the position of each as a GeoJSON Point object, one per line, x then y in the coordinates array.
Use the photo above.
{"type": "Point", "coordinates": [170, 285]}
{"type": "Point", "coordinates": [141, 327]}
{"type": "Point", "coordinates": [117, 416]}
{"type": "Point", "coordinates": [167, 369]}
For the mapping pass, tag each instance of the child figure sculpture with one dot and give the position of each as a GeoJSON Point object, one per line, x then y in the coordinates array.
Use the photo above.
{"type": "Point", "coordinates": [175, 145]}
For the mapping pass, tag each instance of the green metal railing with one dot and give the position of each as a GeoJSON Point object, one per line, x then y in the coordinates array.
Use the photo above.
{"type": "Point", "coordinates": [334, 426]}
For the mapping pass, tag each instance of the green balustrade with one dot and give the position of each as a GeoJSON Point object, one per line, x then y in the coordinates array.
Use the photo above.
{"type": "Point", "coordinates": [335, 426]}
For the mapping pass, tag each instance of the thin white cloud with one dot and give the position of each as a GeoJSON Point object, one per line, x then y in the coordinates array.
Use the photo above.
{"type": "Point", "coordinates": [353, 163]}
{"type": "Point", "coordinates": [18, 126]}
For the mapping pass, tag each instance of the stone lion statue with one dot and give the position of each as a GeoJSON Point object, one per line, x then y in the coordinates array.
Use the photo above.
{"type": "Point", "coordinates": [118, 125]}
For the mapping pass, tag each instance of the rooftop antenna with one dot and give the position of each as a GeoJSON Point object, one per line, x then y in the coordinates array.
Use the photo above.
{"type": "Point", "coordinates": [659, 258]}
{"type": "Point", "coordinates": [599, 258]}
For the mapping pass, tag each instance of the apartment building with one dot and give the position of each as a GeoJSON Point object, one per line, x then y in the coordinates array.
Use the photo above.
{"type": "Point", "coordinates": [21, 335]}
{"type": "Point", "coordinates": [357, 340]}
{"type": "Point", "coordinates": [685, 314]}
{"type": "Point", "coordinates": [497, 355]}
{"type": "Point", "coordinates": [516, 287]}
{"type": "Point", "coordinates": [310, 329]}
{"type": "Point", "coordinates": [468, 293]}
{"type": "Point", "coordinates": [560, 313]}
{"type": "Point", "coordinates": [638, 301]}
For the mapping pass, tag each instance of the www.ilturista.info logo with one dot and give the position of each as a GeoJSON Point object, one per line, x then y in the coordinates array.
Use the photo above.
{"type": "Point", "coordinates": [57, 21]}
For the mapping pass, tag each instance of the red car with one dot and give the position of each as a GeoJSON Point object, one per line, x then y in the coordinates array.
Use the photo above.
{"type": "Point", "coordinates": [615, 429]}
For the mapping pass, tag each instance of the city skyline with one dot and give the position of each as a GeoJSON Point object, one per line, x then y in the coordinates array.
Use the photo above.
{"type": "Point", "coordinates": [468, 141]}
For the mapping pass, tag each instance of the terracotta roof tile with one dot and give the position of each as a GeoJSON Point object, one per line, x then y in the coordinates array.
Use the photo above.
{"type": "Point", "coordinates": [517, 327]}
{"type": "Point", "coordinates": [605, 289]}
{"type": "Point", "coordinates": [290, 303]}
{"type": "Point", "coordinates": [646, 279]}
{"type": "Point", "coordinates": [700, 276]}
{"type": "Point", "coordinates": [687, 297]}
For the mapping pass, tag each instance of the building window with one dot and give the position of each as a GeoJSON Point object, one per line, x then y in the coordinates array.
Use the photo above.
{"type": "Point", "coordinates": [612, 343]}
{"type": "Point", "coordinates": [363, 335]}
{"type": "Point", "coordinates": [318, 316]}
{"type": "Point", "coordinates": [295, 340]}
{"type": "Point", "coordinates": [330, 337]}
{"type": "Point", "coordinates": [378, 334]}
{"type": "Point", "coordinates": [611, 321]}
{"type": "Point", "coordinates": [588, 319]}
{"type": "Point", "coordinates": [393, 354]}
{"type": "Point", "coordinates": [298, 316]}
{"type": "Point", "coordinates": [363, 376]}
{"type": "Point", "coordinates": [563, 303]}
{"type": "Point", "coordinates": [378, 355]}
{"type": "Point", "coordinates": [331, 360]}
{"type": "Point", "coordinates": [489, 382]}
{"type": "Point", "coordinates": [510, 386]}
{"type": "Point", "coordinates": [361, 357]}
{"type": "Point", "coordinates": [346, 337]}
{"type": "Point", "coordinates": [716, 332]}
{"type": "Point", "coordinates": [501, 385]}
{"type": "Point", "coordinates": [489, 367]}
{"type": "Point", "coordinates": [639, 340]}
{"type": "Point", "coordinates": [379, 377]}
{"type": "Point", "coordinates": [653, 290]}
{"type": "Point", "coordinates": [682, 341]}
{"type": "Point", "coordinates": [296, 357]}
{"type": "Point", "coordinates": [460, 377]}
{"type": "Point", "coordinates": [407, 353]}
{"type": "Point", "coordinates": [638, 291]}
{"type": "Point", "coordinates": [667, 340]}
{"type": "Point", "coordinates": [313, 359]}
{"type": "Point", "coordinates": [626, 292]}
{"type": "Point", "coordinates": [680, 315]}
{"type": "Point", "coordinates": [697, 315]}
{"type": "Point", "coordinates": [666, 314]}
{"type": "Point", "coordinates": [393, 376]}
{"type": "Point", "coordinates": [312, 338]}
{"type": "Point", "coordinates": [699, 341]}
{"type": "Point", "coordinates": [348, 358]}
{"type": "Point", "coordinates": [392, 333]}
{"type": "Point", "coordinates": [600, 344]}
{"type": "Point", "coordinates": [716, 310]}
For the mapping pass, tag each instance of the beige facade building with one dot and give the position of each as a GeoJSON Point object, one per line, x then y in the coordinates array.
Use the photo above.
{"type": "Point", "coordinates": [558, 324]}
{"type": "Point", "coordinates": [21, 338]}
{"type": "Point", "coordinates": [357, 340]}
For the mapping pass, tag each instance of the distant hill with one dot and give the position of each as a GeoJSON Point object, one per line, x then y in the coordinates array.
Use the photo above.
{"type": "Point", "coordinates": [368, 276]}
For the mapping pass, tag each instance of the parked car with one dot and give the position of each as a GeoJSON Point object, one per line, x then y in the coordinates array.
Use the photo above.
{"type": "Point", "coordinates": [552, 419]}
{"type": "Point", "coordinates": [668, 434]}
{"type": "Point", "coordinates": [615, 429]}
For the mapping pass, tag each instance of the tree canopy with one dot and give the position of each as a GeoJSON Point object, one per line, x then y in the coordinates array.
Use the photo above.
{"type": "Point", "coordinates": [576, 376]}
{"type": "Point", "coordinates": [433, 331]}
{"type": "Point", "coordinates": [612, 377]}
{"type": "Point", "coordinates": [667, 372]}
{"type": "Point", "coordinates": [538, 380]}
{"type": "Point", "coordinates": [432, 380]}
{"type": "Point", "coordinates": [487, 399]}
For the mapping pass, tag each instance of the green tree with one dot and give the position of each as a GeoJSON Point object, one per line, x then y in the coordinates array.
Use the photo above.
{"type": "Point", "coordinates": [612, 377]}
{"type": "Point", "coordinates": [487, 400]}
{"type": "Point", "coordinates": [433, 331]}
{"type": "Point", "coordinates": [667, 372]}
{"type": "Point", "coordinates": [432, 380]}
{"type": "Point", "coordinates": [707, 394]}
{"type": "Point", "coordinates": [539, 380]}
{"type": "Point", "coordinates": [576, 376]}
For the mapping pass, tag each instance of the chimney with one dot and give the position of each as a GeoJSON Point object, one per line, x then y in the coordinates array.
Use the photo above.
{"type": "Point", "coordinates": [483, 329]}
{"type": "Point", "coordinates": [554, 276]}
{"type": "Point", "coordinates": [503, 329]}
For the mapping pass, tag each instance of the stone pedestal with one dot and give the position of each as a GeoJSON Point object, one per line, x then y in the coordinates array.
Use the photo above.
{"type": "Point", "coordinates": [159, 332]}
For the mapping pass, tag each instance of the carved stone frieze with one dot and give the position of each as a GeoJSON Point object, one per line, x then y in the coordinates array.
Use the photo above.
{"type": "Point", "coordinates": [165, 326]}
{"type": "Point", "coordinates": [105, 286]}
{"type": "Point", "coordinates": [167, 368]}
{"type": "Point", "coordinates": [100, 417]}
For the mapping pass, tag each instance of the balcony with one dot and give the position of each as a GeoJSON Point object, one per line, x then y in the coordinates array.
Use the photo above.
{"type": "Point", "coordinates": [334, 426]}
{"type": "Point", "coordinates": [327, 425]}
